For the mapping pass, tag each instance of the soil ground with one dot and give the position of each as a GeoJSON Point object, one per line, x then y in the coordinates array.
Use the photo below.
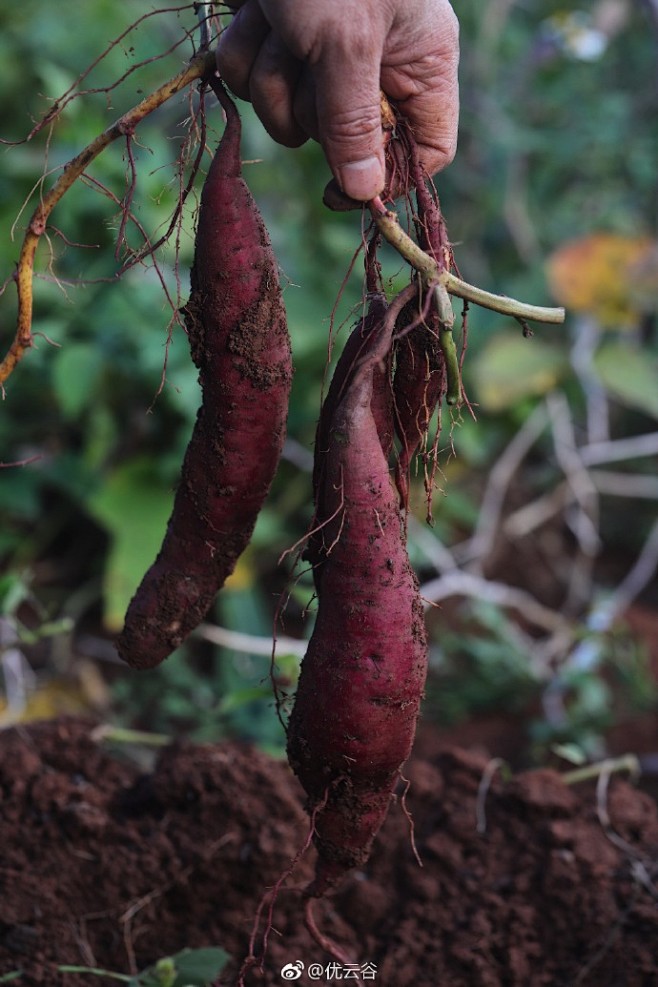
{"type": "Point", "coordinates": [107, 865]}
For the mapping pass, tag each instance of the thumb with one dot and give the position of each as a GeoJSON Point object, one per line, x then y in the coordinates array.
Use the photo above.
{"type": "Point", "coordinates": [349, 120]}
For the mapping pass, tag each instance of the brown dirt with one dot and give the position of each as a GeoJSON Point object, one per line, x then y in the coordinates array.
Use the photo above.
{"type": "Point", "coordinates": [105, 865]}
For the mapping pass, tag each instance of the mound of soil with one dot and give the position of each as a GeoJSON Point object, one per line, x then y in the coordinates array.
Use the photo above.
{"type": "Point", "coordinates": [104, 865]}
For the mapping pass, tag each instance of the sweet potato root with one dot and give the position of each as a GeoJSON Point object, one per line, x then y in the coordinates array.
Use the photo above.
{"type": "Point", "coordinates": [418, 386]}
{"type": "Point", "coordinates": [420, 379]}
{"type": "Point", "coordinates": [237, 332]}
{"type": "Point", "coordinates": [355, 350]}
{"type": "Point", "coordinates": [353, 722]}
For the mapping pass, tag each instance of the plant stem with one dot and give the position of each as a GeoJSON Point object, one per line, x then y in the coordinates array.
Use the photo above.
{"type": "Point", "coordinates": [200, 67]}
{"type": "Point", "coordinates": [447, 344]}
{"type": "Point", "coordinates": [501, 303]}
{"type": "Point", "coordinates": [389, 226]}
{"type": "Point", "coordinates": [612, 765]}
{"type": "Point", "coordinates": [123, 735]}
{"type": "Point", "coordinates": [123, 977]}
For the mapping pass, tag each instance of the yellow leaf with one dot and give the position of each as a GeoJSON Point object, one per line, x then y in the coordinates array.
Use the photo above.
{"type": "Point", "coordinates": [242, 577]}
{"type": "Point", "coordinates": [596, 275]}
{"type": "Point", "coordinates": [643, 279]}
{"type": "Point", "coordinates": [54, 698]}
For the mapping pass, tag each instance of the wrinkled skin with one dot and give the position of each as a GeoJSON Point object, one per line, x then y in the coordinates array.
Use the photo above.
{"type": "Point", "coordinates": [315, 69]}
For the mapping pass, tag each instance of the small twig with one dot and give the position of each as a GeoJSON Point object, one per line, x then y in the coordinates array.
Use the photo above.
{"type": "Point", "coordinates": [579, 480]}
{"type": "Point", "coordinates": [602, 784]}
{"type": "Point", "coordinates": [618, 450]}
{"type": "Point", "coordinates": [74, 91]}
{"type": "Point", "coordinates": [604, 613]}
{"type": "Point", "coordinates": [584, 520]}
{"type": "Point", "coordinates": [21, 462]}
{"type": "Point", "coordinates": [613, 765]}
{"type": "Point", "coordinates": [459, 583]}
{"type": "Point", "coordinates": [249, 643]}
{"type": "Point", "coordinates": [494, 765]}
{"type": "Point", "coordinates": [587, 336]}
{"type": "Point", "coordinates": [528, 518]}
{"type": "Point", "coordinates": [122, 735]}
{"type": "Point", "coordinates": [639, 576]}
{"type": "Point", "coordinates": [478, 547]}
{"type": "Point", "coordinates": [501, 303]}
{"type": "Point", "coordinates": [124, 978]}
{"type": "Point", "coordinates": [638, 485]}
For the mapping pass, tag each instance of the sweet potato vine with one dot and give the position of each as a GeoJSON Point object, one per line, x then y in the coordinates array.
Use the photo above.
{"type": "Point", "coordinates": [199, 68]}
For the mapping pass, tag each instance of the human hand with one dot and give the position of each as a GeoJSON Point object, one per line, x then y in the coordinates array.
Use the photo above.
{"type": "Point", "coordinates": [314, 68]}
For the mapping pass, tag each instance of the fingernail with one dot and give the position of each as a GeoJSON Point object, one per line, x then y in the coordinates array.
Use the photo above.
{"type": "Point", "coordinates": [362, 180]}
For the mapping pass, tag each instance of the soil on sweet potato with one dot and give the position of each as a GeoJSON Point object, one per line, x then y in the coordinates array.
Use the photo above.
{"type": "Point", "coordinates": [104, 865]}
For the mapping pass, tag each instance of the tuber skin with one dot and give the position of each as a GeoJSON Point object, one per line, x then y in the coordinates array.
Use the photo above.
{"type": "Point", "coordinates": [355, 347]}
{"type": "Point", "coordinates": [361, 682]}
{"type": "Point", "coordinates": [239, 341]}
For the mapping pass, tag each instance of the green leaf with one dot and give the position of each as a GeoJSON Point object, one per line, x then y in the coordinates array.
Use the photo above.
{"type": "Point", "coordinates": [75, 375]}
{"type": "Point", "coordinates": [199, 966]}
{"type": "Point", "coordinates": [629, 375]}
{"type": "Point", "coordinates": [134, 507]}
{"type": "Point", "coordinates": [512, 368]}
{"type": "Point", "coordinates": [14, 975]}
{"type": "Point", "coordinates": [570, 752]}
{"type": "Point", "coordinates": [13, 591]}
{"type": "Point", "coordinates": [189, 968]}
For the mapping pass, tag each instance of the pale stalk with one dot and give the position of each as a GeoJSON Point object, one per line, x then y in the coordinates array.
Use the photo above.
{"type": "Point", "coordinates": [431, 275]}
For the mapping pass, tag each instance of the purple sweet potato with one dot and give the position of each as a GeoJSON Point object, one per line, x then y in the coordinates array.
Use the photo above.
{"type": "Point", "coordinates": [239, 341]}
{"type": "Point", "coordinates": [354, 351]}
{"type": "Point", "coordinates": [354, 718]}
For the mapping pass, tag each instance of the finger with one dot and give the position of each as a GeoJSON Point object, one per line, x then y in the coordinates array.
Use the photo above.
{"type": "Point", "coordinates": [272, 85]}
{"type": "Point", "coordinates": [238, 47]}
{"type": "Point", "coordinates": [304, 107]}
{"type": "Point", "coordinates": [348, 112]}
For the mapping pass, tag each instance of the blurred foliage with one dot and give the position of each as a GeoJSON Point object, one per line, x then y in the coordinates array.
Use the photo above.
{"type": "Point", "coordinates": [558, 146]}
{"type": "Point", "coordinates": [595, 274]}
{"type": "Point", "coordinates": [482, 668]}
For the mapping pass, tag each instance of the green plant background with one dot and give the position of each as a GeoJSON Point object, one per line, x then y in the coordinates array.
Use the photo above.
{"type": "Point", "coordinates": [555, 143]}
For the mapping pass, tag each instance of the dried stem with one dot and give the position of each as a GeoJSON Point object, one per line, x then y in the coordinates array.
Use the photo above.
{"type": "Point", "coordinates": [460, 583]}
{"type": "Point", "coordinates": [250, 643]}
{"type": "Point", "coordinates": [496, 764]}
{"type": "Point", "coordinates": [200, 67]}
